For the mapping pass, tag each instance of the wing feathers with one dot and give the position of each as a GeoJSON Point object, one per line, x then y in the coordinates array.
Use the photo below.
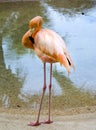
{"type": "Point", "coordinates": [51, 44]}
{"type": "Point", "coordinates": [63, 61]}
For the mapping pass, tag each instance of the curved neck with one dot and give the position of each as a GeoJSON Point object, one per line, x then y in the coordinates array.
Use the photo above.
{"type": "Point", "coordinates": [35, 25]}
{"type": "Point", "coordinates": [35, 31]}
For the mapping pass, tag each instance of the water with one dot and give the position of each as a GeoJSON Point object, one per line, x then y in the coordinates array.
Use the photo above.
{"type": "Point", "coordinates": [21, 72]}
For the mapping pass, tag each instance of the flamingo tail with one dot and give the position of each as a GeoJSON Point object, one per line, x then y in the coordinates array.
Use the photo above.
{"type": "Point", "coordinates": [66, 61]}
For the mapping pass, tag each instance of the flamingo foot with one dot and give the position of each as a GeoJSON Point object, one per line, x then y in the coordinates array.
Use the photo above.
{"type": "Point", "coordinates": [47, 122]}
{"type": "Point", "coordinates": [34, 124]}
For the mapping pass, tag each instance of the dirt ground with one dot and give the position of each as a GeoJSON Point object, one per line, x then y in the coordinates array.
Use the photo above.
{"type": "Point", "coordinates": [69, 119]}
{"type": "Point", "coordinates": [72, 122]}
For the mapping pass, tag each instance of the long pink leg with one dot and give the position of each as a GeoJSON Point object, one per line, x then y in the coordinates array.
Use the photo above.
{"type": "Point", "coordinates": [50, 86]}
{"type": "Point", "coordinates": [44, 88]}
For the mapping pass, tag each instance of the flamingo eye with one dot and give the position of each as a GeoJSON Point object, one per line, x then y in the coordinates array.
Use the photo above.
{"type": "Point", "coordinates": [32, 29]}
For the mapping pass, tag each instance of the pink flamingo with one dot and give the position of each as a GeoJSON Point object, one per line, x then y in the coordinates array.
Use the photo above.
{"type": "Point", "coordinates": [50, 48]}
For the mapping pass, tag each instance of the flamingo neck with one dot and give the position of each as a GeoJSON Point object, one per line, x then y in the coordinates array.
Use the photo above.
{"type": "Point", "coordinates": [37, 29]}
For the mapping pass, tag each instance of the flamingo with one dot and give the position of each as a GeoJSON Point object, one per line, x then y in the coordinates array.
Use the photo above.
{"type": "Point", "coordinates": [50, 48]}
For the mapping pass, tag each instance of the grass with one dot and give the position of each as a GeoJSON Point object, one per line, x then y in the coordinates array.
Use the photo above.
{"type": "Point", "coordinates": [72, 96]}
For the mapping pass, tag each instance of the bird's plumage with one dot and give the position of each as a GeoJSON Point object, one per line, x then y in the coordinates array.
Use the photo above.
{"type": "Point", "coordinates": [51, 44]}
{"type": "Point", "coordinates": [48, 45]}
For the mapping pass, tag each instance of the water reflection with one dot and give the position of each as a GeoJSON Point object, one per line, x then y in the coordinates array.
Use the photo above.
{"type": "Point", "coordinates": [80, 37]}
{"type": "Point", "coordinates": [26, 66]}
{"type": "Point", "coordinates": [21, 72]}
{"type": "Point", "coordinates": [8, 90]}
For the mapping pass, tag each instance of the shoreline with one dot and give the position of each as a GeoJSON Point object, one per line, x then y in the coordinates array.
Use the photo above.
{"type": "Point", "coordinates": [55, 112]}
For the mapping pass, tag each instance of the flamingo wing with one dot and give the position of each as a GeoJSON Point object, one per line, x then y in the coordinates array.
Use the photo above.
{"type": "Point", "coordinates": [51, 44]}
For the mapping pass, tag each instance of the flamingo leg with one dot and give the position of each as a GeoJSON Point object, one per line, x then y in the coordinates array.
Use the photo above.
{"type": "Point", "coordinates": [50, 86]}
{"type": "Point", "coordinates": [44, 89]}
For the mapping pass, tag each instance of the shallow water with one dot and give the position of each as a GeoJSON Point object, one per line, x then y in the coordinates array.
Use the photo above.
{"type": "Point", "coordinates": [21, 72]}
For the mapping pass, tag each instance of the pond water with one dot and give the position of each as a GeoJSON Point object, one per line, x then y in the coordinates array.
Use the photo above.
{"type": "Point", "coordinates": [20, 68]}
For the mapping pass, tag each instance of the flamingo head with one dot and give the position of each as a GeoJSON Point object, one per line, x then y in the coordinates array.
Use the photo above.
{"type": "Point", "coordinates": [28, 40]}
{"type": "Point", "coordinates": [35, 24]}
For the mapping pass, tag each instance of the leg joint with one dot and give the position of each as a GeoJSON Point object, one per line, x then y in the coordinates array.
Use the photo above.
{"type": "Point", "coordinates": [44, 87]}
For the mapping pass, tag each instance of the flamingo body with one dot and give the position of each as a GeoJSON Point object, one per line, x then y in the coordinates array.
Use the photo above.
{"type": "Point", "coordinates": [50, 48]}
